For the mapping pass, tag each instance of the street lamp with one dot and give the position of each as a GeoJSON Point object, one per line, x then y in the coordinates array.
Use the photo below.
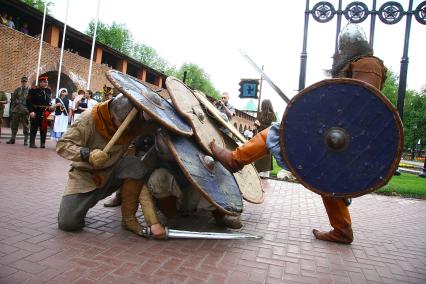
{"type": "Point", "coordinates": [413, 150]}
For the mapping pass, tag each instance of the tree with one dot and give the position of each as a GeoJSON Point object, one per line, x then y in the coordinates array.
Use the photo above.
{"type": "Point", "coordinates": [198, 79]}
{"type": "Point", "coordinates": [116, 36]}
{"type": "Point", "coordinates": [149, 56]}
{"type": "Point", "coordinates": [414, 110]}
{"type": "Point", "coordinates": [39, 4]}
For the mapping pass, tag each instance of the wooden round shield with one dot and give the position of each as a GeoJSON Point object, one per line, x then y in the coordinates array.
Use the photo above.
{"type": "Point", "coordinates": [150, 102]}
{"type": "Point", "coordinates": [247, 178]}
{"type": "Point", "coordinates": [206, 175]}
{"type": "Point", "coordinates": [188, 106]}
{"type": "Point", "coordinates": [341, 137]}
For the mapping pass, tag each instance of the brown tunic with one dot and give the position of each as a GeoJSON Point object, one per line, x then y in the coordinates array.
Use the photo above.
{"type": "Point", "coordinates": [82, 177]}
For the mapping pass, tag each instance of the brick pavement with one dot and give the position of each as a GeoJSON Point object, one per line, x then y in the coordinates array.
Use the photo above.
{"type": "Point", "coordinates": [389, 246]}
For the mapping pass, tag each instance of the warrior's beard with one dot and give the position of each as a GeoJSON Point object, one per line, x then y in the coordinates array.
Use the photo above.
{"type": "Point", "coordinates": [346, 55]}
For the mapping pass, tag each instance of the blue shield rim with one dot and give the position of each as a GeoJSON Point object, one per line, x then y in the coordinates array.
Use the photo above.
{"type": "Point", "coordinates": [398, 124]}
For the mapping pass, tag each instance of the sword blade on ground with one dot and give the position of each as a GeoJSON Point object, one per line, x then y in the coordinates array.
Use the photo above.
{"type": "Point", "coordinates": [267, 79]}
{"type": "Point", "coordinates": [179, 234]}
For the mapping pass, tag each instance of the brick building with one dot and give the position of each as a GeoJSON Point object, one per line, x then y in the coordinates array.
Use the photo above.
{"type": "Point", "coordinates": [19, 56]}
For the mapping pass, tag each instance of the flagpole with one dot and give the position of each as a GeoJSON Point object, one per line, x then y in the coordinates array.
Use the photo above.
{"type": "Point", "coordinates": [41, 44]}
{"type": "Point", "coordinates": [93, 46]}
{"type": "Point", "coordinates": [62, 49]}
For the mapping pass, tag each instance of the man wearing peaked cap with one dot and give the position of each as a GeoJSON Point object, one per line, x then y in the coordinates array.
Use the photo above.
{"type": "Point", "coordinates": [39, 107]}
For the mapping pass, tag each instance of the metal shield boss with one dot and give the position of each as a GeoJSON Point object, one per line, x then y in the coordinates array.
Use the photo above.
{"type": "Point", "coordinates": [216, 184]}
{"type": "Point", "coordinates": [341, 137]}
{"type": "Point", "coordinates": [145, 99]}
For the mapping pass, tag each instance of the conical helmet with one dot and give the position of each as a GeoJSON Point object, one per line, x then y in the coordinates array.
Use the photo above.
{"type": "Point", "coordinates": [349, 35]}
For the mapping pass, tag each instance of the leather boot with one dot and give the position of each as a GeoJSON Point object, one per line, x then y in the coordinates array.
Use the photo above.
{"type": "Point", "coordinates": [26, 140]}
{"type": "Point", "coordinates": [222, 220]}
{"type": "Point", "coordinates": [42, 139]}
{"type": "Point", "coordinates": [340, 220]}
{"type": "Point", "coordinates": [247, 153]}
{"type": "Point", "coordinates": [130, 191]}
{"type": "Point", "coordinates": [167, 206]}
{"type": "Point", "coordinates": [32, 141]}
{"type": "Point", "coordinates": [115, 201]}
{"type": "Point", "coordinates": [11, 141]}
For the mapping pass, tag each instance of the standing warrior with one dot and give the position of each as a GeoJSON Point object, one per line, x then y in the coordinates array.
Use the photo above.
{"type": "Point", "coordinates": [354, 59]}
{"type": "Point", "coordinates": [20, 111]}
{"type": "Point", "coordinates": [39, 107]}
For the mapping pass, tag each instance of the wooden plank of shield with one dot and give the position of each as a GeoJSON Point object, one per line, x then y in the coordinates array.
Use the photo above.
{"type": "Point", "coordinates": [188, 106]}
{"type": "Point", "coordinates": [206, 175]}
{"type": "Point", "coordinates": [217, 115]}
{"type": "Point", "coordinates": [247, 178]}
{"type": "Point", "coordinates": [145, 99]}
{"type": "Point", "coordinates": [341, 137]}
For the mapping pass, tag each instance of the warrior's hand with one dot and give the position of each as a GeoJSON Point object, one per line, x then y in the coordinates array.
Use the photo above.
{"type": "Point", "coordinates": [32, 114]}
{"type": "Point", "coordinates": [97, 158]}
{"type": "Point", "coordinates": [158, 231]}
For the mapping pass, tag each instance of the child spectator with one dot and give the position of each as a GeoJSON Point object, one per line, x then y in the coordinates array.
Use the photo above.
{"type": "Point", "coordinates": [10, 23]}
{"type": "Point", "coordinates": [24, 28]}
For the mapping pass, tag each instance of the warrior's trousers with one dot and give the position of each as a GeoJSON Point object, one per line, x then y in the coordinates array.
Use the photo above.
{"type": "Point", "coordinates": [74, 207]}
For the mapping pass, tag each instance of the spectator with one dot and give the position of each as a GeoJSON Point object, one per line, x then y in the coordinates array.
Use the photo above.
{"type": "Point", "coordinates": [10, 23]}
{"type": "Point", "coordinates": [225, 107]}
{"type": "Point", "coordinates": [90, 101]}
{"type": "Point", "coordinates": [3, 101]}
{"type": "Point", "coordinates": [3, 19]}
{"type": "Point", "coordinates": [24, 28]}
{"type": "Point", "coordinates": [80, 104]}
{"type": "Point", "coordinates": [20, 111]}
{"type": "Point", "coordinates": [61, 104]}
{"type": "Point", "coordinates": [71, 108]}
{"type": "Point", "coordinates": [265, 117]}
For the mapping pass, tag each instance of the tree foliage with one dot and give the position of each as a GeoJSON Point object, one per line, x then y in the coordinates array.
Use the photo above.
{"type": "Point", "coordinates": [117, 36]}
{"type": "Point", "coordinates": [39, 4]}
{"type": "Point", "coordinates": [198, 79]}
{"type": "Point", "coordinates": [414, 110]}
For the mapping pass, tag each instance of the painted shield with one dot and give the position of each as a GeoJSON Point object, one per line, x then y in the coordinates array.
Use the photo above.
{"type": "Point", "coordinates": [341, 137]}
{"type": "Point", "coordinates": [247, 178]}
{"type": "Point", "coordinates": [215, 113]}
{"type": "Point", "coordinates": [205, 174]}
{"type": "Point", "coordinates": [189, 107]}
{"type": "Point", "coordinates": [150, 102]}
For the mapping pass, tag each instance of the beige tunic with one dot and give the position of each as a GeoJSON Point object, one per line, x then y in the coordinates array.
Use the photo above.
{"type": "Point", "coordinates": [82, 176]}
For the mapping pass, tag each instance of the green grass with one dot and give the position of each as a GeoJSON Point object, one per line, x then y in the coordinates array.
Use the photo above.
{"type": "Point", "coordinates": [407, 185]}
{"type": "Point", "coordinates": [275, 168]}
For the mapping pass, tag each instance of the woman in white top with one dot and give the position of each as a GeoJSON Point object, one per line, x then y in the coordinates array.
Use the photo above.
{"type": "Point", "coordinates": [61, 114]}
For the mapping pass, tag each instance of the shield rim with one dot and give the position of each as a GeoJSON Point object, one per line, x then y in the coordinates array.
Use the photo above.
{"type": "Point", "coordinates": [176, 157]}
{"type": "Point", "coordinates": [141, 107]}
{"type": "Point", "coordinates": [394, 165]}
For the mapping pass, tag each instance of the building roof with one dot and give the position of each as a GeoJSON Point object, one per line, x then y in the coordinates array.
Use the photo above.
{"type": "Point", "coordinates": [250, 106]}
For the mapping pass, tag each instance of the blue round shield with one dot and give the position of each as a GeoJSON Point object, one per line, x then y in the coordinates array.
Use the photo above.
{"type": "Point", "coordinates": [341, 137]}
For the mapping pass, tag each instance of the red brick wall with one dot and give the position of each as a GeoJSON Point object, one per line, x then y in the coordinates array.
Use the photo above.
{"type": "Point", "coordinates": [19, 55]}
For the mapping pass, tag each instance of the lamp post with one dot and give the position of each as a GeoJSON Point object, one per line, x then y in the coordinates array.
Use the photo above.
{"type": "Point", "coordinates": [413, 150]}
{"type": "Point", "coordinates": [423, 174]}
